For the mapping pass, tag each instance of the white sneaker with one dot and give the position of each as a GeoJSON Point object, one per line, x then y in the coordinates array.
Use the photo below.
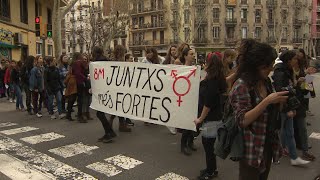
{"type": "Point", "coordinates": [53, 117]}
{"type": "Point", "coordinates": [55, 110]}
{"type": "Point", "coordinates": [298, 161]}
{"type": "Point", "coordinates": [61, 116]}
{"type": "Point", "coordinates": [14, 101]}
{"type": "Point", "coordinates": [11, 100]}
{"type": "Point", "coordinates": [39, 115]}
{"type": "Point", "coordinates": [172, 130]}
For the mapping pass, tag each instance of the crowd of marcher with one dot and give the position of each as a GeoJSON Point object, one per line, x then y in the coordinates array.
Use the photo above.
{"type": "Point", "coordinates": [270, 111]}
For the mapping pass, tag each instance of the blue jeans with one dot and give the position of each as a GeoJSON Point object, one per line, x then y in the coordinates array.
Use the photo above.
{"type": "Point", "coordinates": [287, 135]}
{"type": "Point", "coordinates": [50, 102]}
{"type": "Point", "coordinates": [18, 92]}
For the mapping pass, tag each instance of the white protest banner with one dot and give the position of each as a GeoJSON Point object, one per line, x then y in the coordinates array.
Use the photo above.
{"type": "Point", "coordinates": [159, 94]}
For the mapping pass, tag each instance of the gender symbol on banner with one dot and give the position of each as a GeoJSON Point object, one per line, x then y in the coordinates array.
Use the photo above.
{"type": "Point", "coordinates": [181, 78]}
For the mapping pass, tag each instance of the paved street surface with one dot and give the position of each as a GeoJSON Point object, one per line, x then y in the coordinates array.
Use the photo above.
{"type": "Point", "coordinates": [33, 148]}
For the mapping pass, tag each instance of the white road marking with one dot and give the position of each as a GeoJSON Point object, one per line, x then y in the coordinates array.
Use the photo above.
{"type": "Point", "coordinates": [171, 176]}
{"type": "Point", "coordinates": [18, 130]}
{"type": "Point", "coordinates": [7, 124]}
{"type": "Point", "coordinates": [104, 168]}
{"type": "Point", "coordinates": [315, 135]}
{"type": "Point", "coordinates": [17, 170]}
{"type": "Point", "coordinates": [41, 162]}
{"type": "Point", "coordinates": [42, 138]}
{"type": "Point", "coordinates": [73, 149]}
{"type": "Point", "coordinates": [123, 161]}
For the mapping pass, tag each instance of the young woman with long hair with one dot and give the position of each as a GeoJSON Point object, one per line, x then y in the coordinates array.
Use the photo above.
{"type": "Point", "coordinates": [63, 70]}
{"type": "Point", "coordinates": [151, 56]}
{"type": "Point", "coordinates": [182, 47]}
{"type": "Point", "coordinates": [253, 101]}
{"type": "Point", "coordinates": [210, 110]}
{"type": "Point", "coordinates": [171, 55]}
{"type": "Point", "coordinates": [187, 145]}
{"type": "Point", "coordinates": [16, 84]}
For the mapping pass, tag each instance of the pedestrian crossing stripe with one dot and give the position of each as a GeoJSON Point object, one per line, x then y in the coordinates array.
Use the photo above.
{"type": "Point", "coordinates": [104, 168]}
{"type": "Point", "coordinates": [42, 138]}
{"type": "Point", "coordinates": [73, 150]}
{"type": "Point", "coordinates": [114, 165]}
{"type": "Point", "coordinates": [7, 124]}
{"type": "Point", "coordinates": [315, 135]}
{"type": "Point", "coordinates": [171, 176]}
{"type": "Point", "coordinates": [18, 130]}
{"type": "Point", "coordinates": [41, 162]}
{"type": "Point", "coordinates": [123, 161]}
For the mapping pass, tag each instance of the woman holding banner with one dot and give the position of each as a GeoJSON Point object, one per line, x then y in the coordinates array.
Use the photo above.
{"type": "Point", "coordinates": [97, 55]}
{"type": "Point", "coordinates": [212, 89]}
{"type": "Point", "coordinates": [187, 58]}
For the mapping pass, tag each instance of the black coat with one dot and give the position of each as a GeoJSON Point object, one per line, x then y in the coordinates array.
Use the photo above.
{"type": "Point", "coordinates": [52, 80]}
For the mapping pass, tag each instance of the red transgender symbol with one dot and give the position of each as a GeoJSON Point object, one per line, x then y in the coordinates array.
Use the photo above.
{"type": "Point", "coordinates": [181, 78]}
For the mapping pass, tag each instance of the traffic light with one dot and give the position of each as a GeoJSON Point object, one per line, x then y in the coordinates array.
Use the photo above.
{"type": "Point", "coordinates": [38, 25]}
{"type": "Point", "coordinates": [49, 30]}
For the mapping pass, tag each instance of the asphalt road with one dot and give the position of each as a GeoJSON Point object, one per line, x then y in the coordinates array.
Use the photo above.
{"type": "Point", "coordinates": [154, 150]}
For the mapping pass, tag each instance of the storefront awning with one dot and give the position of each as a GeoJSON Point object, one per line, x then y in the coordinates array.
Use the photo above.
{"type": "Point", "coordinates": [4, 45]}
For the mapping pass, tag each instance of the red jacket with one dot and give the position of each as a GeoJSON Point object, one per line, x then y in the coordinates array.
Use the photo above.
{"type": "Point", "coordinates": [7, 76]}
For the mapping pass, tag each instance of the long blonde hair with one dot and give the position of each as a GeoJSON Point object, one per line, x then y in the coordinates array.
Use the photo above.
{"type": "Point", "coordinates": [227, 54]}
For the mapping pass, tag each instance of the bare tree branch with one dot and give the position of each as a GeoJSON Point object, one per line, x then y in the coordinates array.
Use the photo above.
{"type": "Point", "coordinates": [68, 7]}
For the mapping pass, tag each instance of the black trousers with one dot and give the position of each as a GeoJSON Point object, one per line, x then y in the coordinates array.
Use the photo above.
{"type": "Point", "coordinates": [105, 123]}
{"type": "Point", "coordinates": [63, 101]}
{"type": "Point", "coordinates": [71, 99]}
{"type": "Point", "coordinates": [211, 162]}
{"type": "Point", "coordinates": [187, 138]}
{"type": "Point", "coordinates": [80, 89]}
{"type": "Point", "coordinates": [28, 98]}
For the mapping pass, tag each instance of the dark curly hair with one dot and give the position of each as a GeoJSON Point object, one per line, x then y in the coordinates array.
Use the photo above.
{"type": "Point", "coordinates": [252, 56]}
{"type": "Point", "coordinates": [155, 59]}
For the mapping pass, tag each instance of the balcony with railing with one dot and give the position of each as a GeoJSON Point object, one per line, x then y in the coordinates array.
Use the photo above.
{"type": "Point", "coordinates": [201, 20]}
{"type": "Point", "coordinates": [144, 43]}
{"type": "Point", "coordinates": [231, 3]}
{"type": "Point", "coordinates": [271, 40]}
{"type": "Point", "coordinates": [200, 2]}
{"type": "Point", "coordinates": [318, 22]}
{"type": "Point", "coordinates": [297, 40]}
{"type": "Point", "coordinates": [174, 6]}
{"type": "Point", "coordinates": [174, 23]}
{"type": "Point", "coordinates": [147, 10]}
{"type": "Point", "coordinates": [272, 3]}
{"type": "Point", "coordinates": [199, 41]}
{"type": "Point", "coordinates": [230, 41]}
{"type": "Point", "coordinates": [244, 20]}
{"type": "Point", "coordinates": [231, 21]}
{"type": "Point", "coordinates": [297, 22]}
{"type": "Point", "coordinates": [148, 26]}
{"type": "Point", "coordinates": [270, 22]}
{"type": "Point", "coordinates": [298, 4]}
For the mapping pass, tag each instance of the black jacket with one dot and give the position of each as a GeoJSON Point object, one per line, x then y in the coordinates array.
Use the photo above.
{"type": "Point", "coordinates": [282, 76]}
{"type": "Point", "coordinates": [52, 80]}
{"type": "Point", "coordinates": [15, 76]}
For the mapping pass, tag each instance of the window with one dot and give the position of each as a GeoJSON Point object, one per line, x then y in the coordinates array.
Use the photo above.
{"type": "Point", "coordinates": [123, 41]}
{"type": "Point", "coordinates": [24, 11]}
{"type": "Point", "coordinates": [230, 32]}
{"type": "Point", "coordinates": [186, 16]}
{"type": "Point", "coordinates": [69, 49]}
{"type": "Point", "coordinates": [271, 33]}
{"type": "Point", "coordinates": [141, 21]}
{"type": "Point", "coordinates": [140, 6]}
{"type": "Point", "coordinates": [161, 20]}
{"type": "Point", "coordinates": [244, 2]}
{"type": "Point", "coordinates": [258, 2]}
{"type": "Point", "coordinates": [50, 50]}
{"type": "Point", "coordinates": [49, 16]}
{"type": "Point", "coordinates": [258, 33]}
{"type": "Point", "coordinates": [201, 33]}
{"type": "Point", "coordinates": [244, 14]}
{"type": "Point", "coordinates": [216, 13]}
{"type": "Point", "coordinates": [38, 8]}
{"type": "Point", "coordinates": [270, 15]}
{"type": "Point", "coordinates": [186, 34]}
{"type": "Point", "coordinates": [215, 1]}
{"type": "Point", "coordinates": [5, 9]}
{"type": "Point", "coordinates": [154, 21]}
{"type": "Point", "coordinates": [258, 16]}
{"type": "Point", "coordinates": [154, 35]}
{"type": "Point", "coordinates": [39, 48]}
{"type": "Point", "coordinates": [284, 14]}
{"type": "Point", "coordinates": [296, 33]}
{"type": "Point", "coordinates": [175, 35]}
{"type": "Point", "coordinates": [284, 2]}
{"type": "Point", "coordinates": [216, 32]}
{"type": "Point", "coordinates": [285, 33]}
{"type": "Point", "coordinates": [115, 43]}
{"type": "Point", "coordinates": [244, 32]}
{"type": "Point", "coordinates": [230, 13]}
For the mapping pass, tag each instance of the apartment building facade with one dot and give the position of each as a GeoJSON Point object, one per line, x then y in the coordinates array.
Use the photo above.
{"type": "Point", "coordinates": [17, 28]}
{"type": "Point", "coordinates": [215, 25]}
{"type": "Point", "coordinates": [81, 27]}
{"type": "Point", "coordinates": [315, 30]}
